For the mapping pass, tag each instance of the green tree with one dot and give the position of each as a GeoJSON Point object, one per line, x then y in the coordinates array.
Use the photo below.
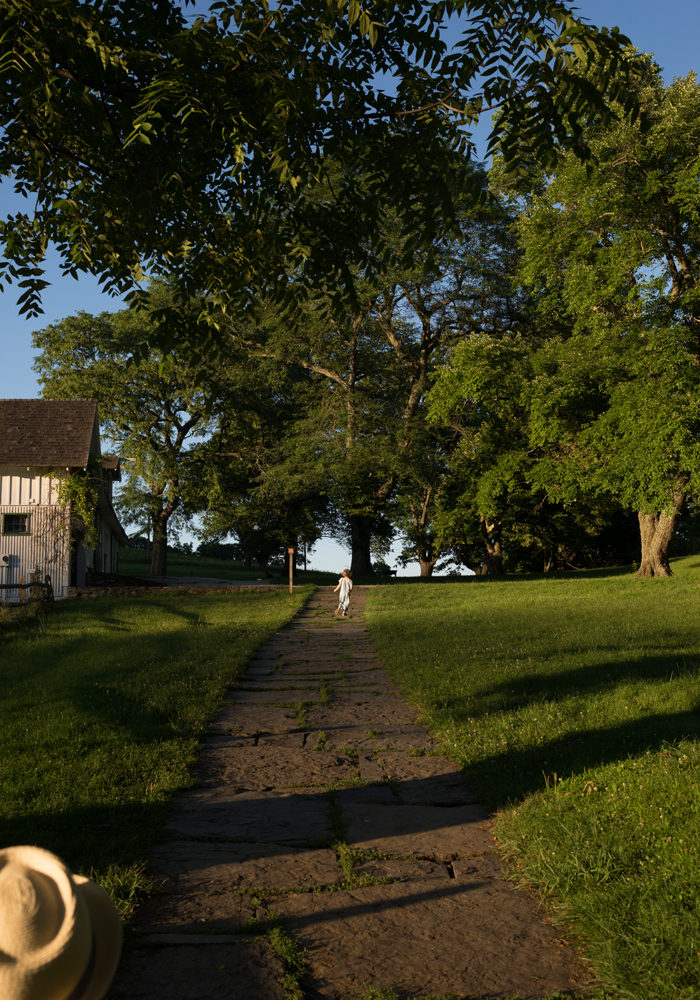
{"type": "Point", "coordinates": [614, 249]}
{"type": "Point", "coordinates": [494, 509]}
{"type": "Point", "coordinates": [424, 482]}
{"type": "Point", "coordinates": [342, 442]}
{"type": "Point", "coordinates": [362, 437]}
{"type": "Point", "coordinates": [149, 145]}
{"type": "Point", "coordinates": [153, 407]}
{"type": "Point", "coordinates": [251, 484]}
{"type": "Point", "coordinates": [479, 393]}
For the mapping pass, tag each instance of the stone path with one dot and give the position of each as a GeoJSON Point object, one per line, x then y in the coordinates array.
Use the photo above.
{"type": "Point", "coordinates": [325, 811]}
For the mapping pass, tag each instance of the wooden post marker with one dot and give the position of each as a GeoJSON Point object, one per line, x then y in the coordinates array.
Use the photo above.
{"type": "Point", "coordinates": [291, 570]}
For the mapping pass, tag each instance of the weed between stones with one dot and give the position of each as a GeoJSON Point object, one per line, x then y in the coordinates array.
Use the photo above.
{"type": "Point", "coordinates": [284, 945]}
{"type": "Point", "coordinates": [374, 994]}
{"type": "Point", "coordinates": [300, 709]}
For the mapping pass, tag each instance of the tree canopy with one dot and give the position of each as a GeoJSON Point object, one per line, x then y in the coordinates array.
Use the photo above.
{"type": "Point", "coordinates": [360, 436]}
{"type": "Point", "coordinates": [616, 392]}
{"type": "Point", "coordinates": [146, 144]}
{"type": "Point", "coordinates": [593, 401]}
{"type": "Point", "coordinates": [154, 408]}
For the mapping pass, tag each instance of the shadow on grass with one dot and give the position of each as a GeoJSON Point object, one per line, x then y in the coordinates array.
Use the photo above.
{"type": "Point", "coordinates": [109, 718]}
{"type": "Point", "coordinates": [597, 678]}
{"type": "Point", "coordinates": [91, 838]}
{"type": "Point", "coordinates": [108, 685]}
{"type": "Point", "coordinates": [516, 773]}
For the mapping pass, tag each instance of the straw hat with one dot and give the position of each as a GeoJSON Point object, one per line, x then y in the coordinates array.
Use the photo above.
{"type": "Point", "coordinates": [60, 934]}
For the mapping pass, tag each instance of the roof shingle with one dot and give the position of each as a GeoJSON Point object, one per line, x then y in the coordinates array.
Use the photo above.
{"type": "Point", "coordinates": [48, 432]}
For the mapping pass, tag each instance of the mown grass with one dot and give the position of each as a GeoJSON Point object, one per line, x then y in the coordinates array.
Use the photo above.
{"type": "Point", "coordinates": [572, 704]}
{"type": "Point", "coordinates": [104, 704]}
{"type": "Point", "coordinates": [137, 562]}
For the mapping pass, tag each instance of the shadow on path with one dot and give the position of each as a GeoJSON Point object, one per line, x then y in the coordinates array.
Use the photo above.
{"type": "Point", "coordinates": [325, 817]}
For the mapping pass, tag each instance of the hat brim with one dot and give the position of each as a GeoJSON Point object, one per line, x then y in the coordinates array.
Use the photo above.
{"type": "Point", "coordinates": [107, 936]}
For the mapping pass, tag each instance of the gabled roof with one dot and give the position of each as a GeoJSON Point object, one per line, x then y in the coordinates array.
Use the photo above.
{"type": "Point", "coordinates": [60, 433]}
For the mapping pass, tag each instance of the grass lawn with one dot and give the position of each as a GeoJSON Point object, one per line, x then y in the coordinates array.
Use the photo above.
{"type": "Point", "coordinates": [104, 703]}
{"type": "Point", "coordinates": [137, 562]}
{"type": "Point", "coordinates": [572, 704]}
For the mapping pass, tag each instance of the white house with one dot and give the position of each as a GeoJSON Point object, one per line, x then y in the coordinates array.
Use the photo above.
{"type": "Point", "coordinates": [44, 443]}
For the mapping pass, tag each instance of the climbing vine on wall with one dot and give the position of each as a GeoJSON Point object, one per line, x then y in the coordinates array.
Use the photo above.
{"type": "Point", "coordinates": [78, 494]}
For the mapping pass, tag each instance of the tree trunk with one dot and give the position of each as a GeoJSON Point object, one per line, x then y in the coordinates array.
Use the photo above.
{"type": "Point", "coordinates": [427, 561]}
{"type": "Point", "coordinates": [159, 555]}
{"type": "Point", "coordinates": [426, 566]}
{"type": "Point", "coordinates": [491, 534]}
{"type": "Point", "coordinates": [656, 532]}
{"type": "Point", "coordinates": [360, 539]}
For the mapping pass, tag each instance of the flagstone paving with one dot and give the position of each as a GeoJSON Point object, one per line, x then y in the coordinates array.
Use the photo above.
{"type": "Point", "coordinates": [326, 824]}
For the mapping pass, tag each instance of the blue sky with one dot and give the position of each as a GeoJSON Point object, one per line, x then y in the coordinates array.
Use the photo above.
{"type": "Point", "coordinates": [671, 30]}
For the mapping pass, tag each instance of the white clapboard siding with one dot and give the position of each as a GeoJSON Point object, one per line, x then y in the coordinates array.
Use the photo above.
{"type": "Point", "coordinates": [18, 487]}
{"type": "Point", "coordinates": [46, 547]}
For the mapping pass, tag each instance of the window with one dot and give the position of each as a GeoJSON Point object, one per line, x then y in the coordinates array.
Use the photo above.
{"type": "Point", "coordinates": [15, 524]}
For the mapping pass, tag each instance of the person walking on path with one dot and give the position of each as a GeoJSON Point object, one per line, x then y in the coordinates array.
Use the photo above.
{"type": "Point", "coordinates": [344, 586]}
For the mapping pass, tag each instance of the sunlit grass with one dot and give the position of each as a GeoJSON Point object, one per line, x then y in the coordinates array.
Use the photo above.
{"type": "Point", "coordinates": [137, 562]}
{"type": "Point", "coordinates": [573, 706]}
{"type": "Point", "coordinates": [103, 708]}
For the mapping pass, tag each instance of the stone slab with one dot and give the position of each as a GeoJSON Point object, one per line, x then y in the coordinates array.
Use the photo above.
{"type": "Point", "coordinates": [226, 739]}
{"type": "Point", "coordinates": [480, 866]}
{"type": "Point", "coordinates": [313, 673]}
{"type": "Point", "coordinates": [296, 740]}
{"type": "Point", "coordinates": [428, 937]}
{"type": "Point", "coordinates": [371, 769]}
{"type": "Point", "coordinates": [268, 696]}
{"type": "Point", "coordinates": [265, 663]}
{"type": "Point", "coordinates": [342, 648]}
{"type": "Point", "coordinates": [213, 910]}
{"type": "Point", "coordinates": [246, 970]}
{"type": "Point", "coordinates": [306, 672]}
{"type": "Point", "coordinates": [353, 694]}
{"type": "Point", "coordinates": [237, 719]}
{"type": "Point", "coordinates": [296, 644]}
{"type": "Point", "coordinates": [364, 793]}
{"type": "Point", "coordinates": [367, 713]}
{"type": "Point", "coordinates": [426, 780]}
{"type": "Point", "coordinates": [355, 650]}
{"type": "Point", "coordinates": [267, 767]}
{"type": "Point", "coordinates": [282, 686]}
{"type": "Point", "coordinates": [444, 921]}
{"type": "Point", "coordinates": [438, 832]}
{"type": "Point", "coordinates": [400, 737]}
{"type": "Point", "coordinates": [404, 869]}
{"type": "Point", "coordinates": [365, 678]}
{"type": "Point", "coordinates": [402, 766]}
{"type": "Point", "coordinates": [267, 817]}
{"type": "Point", "coordinates": [192, 867]}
